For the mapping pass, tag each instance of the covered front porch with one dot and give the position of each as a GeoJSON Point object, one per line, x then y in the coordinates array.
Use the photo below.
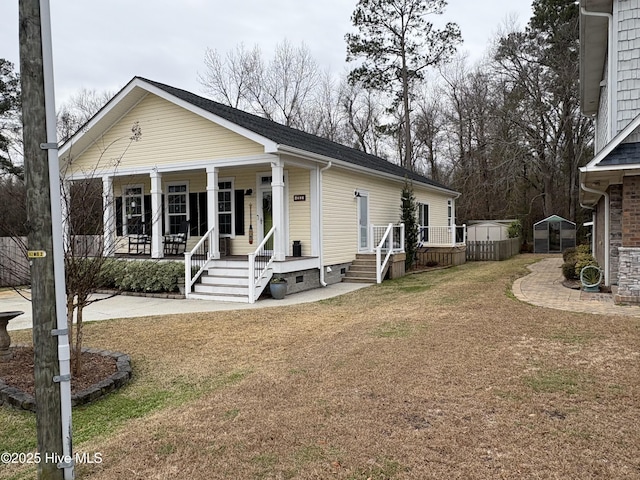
{"type": "Point", "coordinates": [261, 211]}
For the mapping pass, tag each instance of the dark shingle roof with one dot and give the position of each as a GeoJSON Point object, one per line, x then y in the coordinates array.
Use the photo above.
{"type": "Point", "coordinates": [623, 154]}
{"type": "Point", "coordinates": [291, 137]}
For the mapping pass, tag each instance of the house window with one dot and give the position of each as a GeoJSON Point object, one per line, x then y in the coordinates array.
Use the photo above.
{"type": "Point", "coordinates": [177, 205]}
{"type": "Point", "coordinates": [449, 212]}
{"type": "Point", "coordinates": [225, 207]}
{"type": "Point", "coordinates": [133, 211]}
{"type": "Point", "coordinates": [423, 218]}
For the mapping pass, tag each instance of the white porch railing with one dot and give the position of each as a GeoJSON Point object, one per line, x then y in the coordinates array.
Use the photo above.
{"type": "Point", "coordinates": [259, 263]}
{"type": "Point", "coordinates": [197, 259]}
{"type": "Point", "coordinates": [455, 235]}
{"type": "Point", "coordinates": [390, 240]}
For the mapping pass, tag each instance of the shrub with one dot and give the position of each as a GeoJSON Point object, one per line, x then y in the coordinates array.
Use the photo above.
{"type": "Point", "coordinates": [575, 259]}
{"type": "Point", "coordinates": [582, 260]}
{"type": "Point", "coordinates": [569, 270]}
{"type": "Point", "coordinates": [145, 276]}
{"type": "Point", "coordinates": [514, 230]}
{"type": "Point", "coordinates": [568, 252]}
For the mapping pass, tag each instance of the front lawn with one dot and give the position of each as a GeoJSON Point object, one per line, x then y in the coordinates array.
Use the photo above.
{"type": "Point", "coordinates": [439, 375]}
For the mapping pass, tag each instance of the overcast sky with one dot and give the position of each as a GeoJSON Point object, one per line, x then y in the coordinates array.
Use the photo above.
{"type": "Point", "coordinates": [102, 44]}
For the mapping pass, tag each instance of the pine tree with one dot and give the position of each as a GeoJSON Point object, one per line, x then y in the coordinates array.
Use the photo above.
{"type": "Point", "coordinates": [409, 218]}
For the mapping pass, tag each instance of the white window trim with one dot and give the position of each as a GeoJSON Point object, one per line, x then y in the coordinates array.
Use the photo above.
{"type": "Point", "coordinates": [125, 226]}
{"type": "Point", "coordinates": [267, 186]}
{"type": "Point", "coordinates": [421, 219]}
{"type": "Point", "coordinates": [361, 194]}
{"type": "Point", "coordinates": [166, 206]}
{"type": "Point", "coordinates": [233, 206]}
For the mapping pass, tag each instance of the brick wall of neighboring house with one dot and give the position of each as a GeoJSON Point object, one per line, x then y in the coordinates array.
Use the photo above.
{"type": "Point", "coordinates": [629, 252]}
{"type": "Point", "coordinates": [615, 231]}
{"type": "Point", "coordinates": [631, 212]}
{"type": "Point", "coordinates": [599, 232]}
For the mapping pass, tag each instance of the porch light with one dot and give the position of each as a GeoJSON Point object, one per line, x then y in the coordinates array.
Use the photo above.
{"type": "Point", "coordinates": [356, 194]}
{"type": "Point", "coordinates": [248, 193]}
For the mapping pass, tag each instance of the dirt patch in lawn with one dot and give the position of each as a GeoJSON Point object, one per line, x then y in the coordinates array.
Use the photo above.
{"type": "Point", "coordinates": [18, 371]}
{"type": "Point", "coordinates": [436, 375]}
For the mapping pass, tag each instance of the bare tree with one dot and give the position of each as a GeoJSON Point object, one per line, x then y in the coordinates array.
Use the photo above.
{"type": "Point", "coordinates": [77, 111]}
{"type": "Point", "coordinates": [279, 90]}
{"type": "Point", "coordinates": [86, 252]}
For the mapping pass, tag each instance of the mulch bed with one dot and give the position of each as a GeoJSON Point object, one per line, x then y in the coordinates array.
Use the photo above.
{"type": "Point", "coordinates": [18, 371]}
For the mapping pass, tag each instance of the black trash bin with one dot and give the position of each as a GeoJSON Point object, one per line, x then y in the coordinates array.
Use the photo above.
{"type": "Point", "coordinates": [297, 248]}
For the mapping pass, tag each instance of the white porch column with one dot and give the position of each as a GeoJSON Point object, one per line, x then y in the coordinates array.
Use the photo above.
{"type": "Point", "coordinates": [156, 215]}
{"type": "Point", "coordinates": [212, 210]}
{"type": "Point", "coordinates": [278, 203]}
{"type": "Point", "coordinates": [108, 217]}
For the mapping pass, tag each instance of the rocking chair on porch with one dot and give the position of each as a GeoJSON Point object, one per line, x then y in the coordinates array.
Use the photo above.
{"type": "Point", "coordinates": [139, 241]}
{"type": "Point", "coordinates": [175, 242]}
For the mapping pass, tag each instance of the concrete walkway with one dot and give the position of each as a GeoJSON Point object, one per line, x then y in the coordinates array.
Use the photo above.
{"type": "Point", "coordinates": [543, 287]}
{"type": "Point", "coordinates": [123, 306]}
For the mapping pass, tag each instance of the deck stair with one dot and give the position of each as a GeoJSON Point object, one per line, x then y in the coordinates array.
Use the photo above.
{"type": "Point", "coordinates": [363, 269]}
{"type": "Point", "coordinates": [224, 280]}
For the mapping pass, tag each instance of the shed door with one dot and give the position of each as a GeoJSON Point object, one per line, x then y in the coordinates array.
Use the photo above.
{"type": "Point", "coordinates": [554, 237]}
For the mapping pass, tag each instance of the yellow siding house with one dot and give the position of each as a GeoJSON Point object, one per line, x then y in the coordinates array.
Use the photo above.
{"type": "Point", "coordinates": [242, 198]}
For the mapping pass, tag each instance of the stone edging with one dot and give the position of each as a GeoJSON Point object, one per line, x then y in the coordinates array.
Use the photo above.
{"type": "Point", "coordinates": [17, 399]}
{"type": "Point", "coordinates": [172, 295]}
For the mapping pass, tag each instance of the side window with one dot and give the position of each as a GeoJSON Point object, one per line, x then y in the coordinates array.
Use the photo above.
{"type": "Point", "coordinates": [225, 207]}
{"type": "Point", "coordinates": [423, 213]}
{"type": "Point", "coordinates": [177, 205]}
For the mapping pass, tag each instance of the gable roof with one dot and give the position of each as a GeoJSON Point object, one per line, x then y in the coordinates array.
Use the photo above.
{"type": "Point", "coordinates": [296, 139]}
{"type": "Point", "coordinates": [602, 161]}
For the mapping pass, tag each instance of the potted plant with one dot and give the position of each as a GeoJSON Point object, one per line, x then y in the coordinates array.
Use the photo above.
{"type": "Point", "coordinates": [278, 287]}
{"type": "Point", "coordinates": [590, 277]}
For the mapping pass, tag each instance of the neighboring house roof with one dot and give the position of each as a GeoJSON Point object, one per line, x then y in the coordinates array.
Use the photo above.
{"type": "Point", "coordinates": [268, 130]}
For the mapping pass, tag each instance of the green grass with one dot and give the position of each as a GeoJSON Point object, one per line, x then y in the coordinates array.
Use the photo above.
{"type": "Point", "coordinates": [383, 469]}
{"type": "Point", "coordinates": [572, 337]}
{"type": "Point", "coordinates": [393, 330]}
{"type": "Point", "coordinates": [554, 381]}
{"type": "Point", "coordinates": [102, 418]}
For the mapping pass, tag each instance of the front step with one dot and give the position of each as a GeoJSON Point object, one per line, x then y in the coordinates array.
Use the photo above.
{"type": "Point", "coordinates": [362, 270]}
{"type": "Point", "coordinates": [224, 281]}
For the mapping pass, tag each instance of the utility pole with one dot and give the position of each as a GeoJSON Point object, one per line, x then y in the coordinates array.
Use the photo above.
{"type": "Point", "coordinates": [44, 217]}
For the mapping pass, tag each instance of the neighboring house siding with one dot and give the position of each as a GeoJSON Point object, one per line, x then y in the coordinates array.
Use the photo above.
{"type": "Point", "coordinates": [628, 56]}
{"type": "Point", "coordinates": [170, 134]}
{"type": "Point", "coordinates": [602, 125]}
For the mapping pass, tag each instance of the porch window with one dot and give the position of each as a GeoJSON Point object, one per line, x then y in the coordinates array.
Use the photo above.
{"type": "Point", "coordinates": [423, 214]}
{"type": "Point", "coordinates": [133, 211]}
{"type": "Point", "coordinates": [225, 207]}
{"type": "Point", "coordinates": [449, 212]}
{"type": "Point", "coordinates": [177, 205]}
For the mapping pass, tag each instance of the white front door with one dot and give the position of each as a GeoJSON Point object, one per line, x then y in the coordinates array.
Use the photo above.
{"type": "Point", "coordinates": [363, 222]}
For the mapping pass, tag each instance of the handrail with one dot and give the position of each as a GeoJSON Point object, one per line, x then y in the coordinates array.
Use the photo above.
{"type": "Point", "coordinates": [388, 238]}
{"type": "Point", "coordinates": [198, 257]}
{"type": "Point", "coordinates": [452, 235]}
{"type": "Point", "coordinates": [258, 268]}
